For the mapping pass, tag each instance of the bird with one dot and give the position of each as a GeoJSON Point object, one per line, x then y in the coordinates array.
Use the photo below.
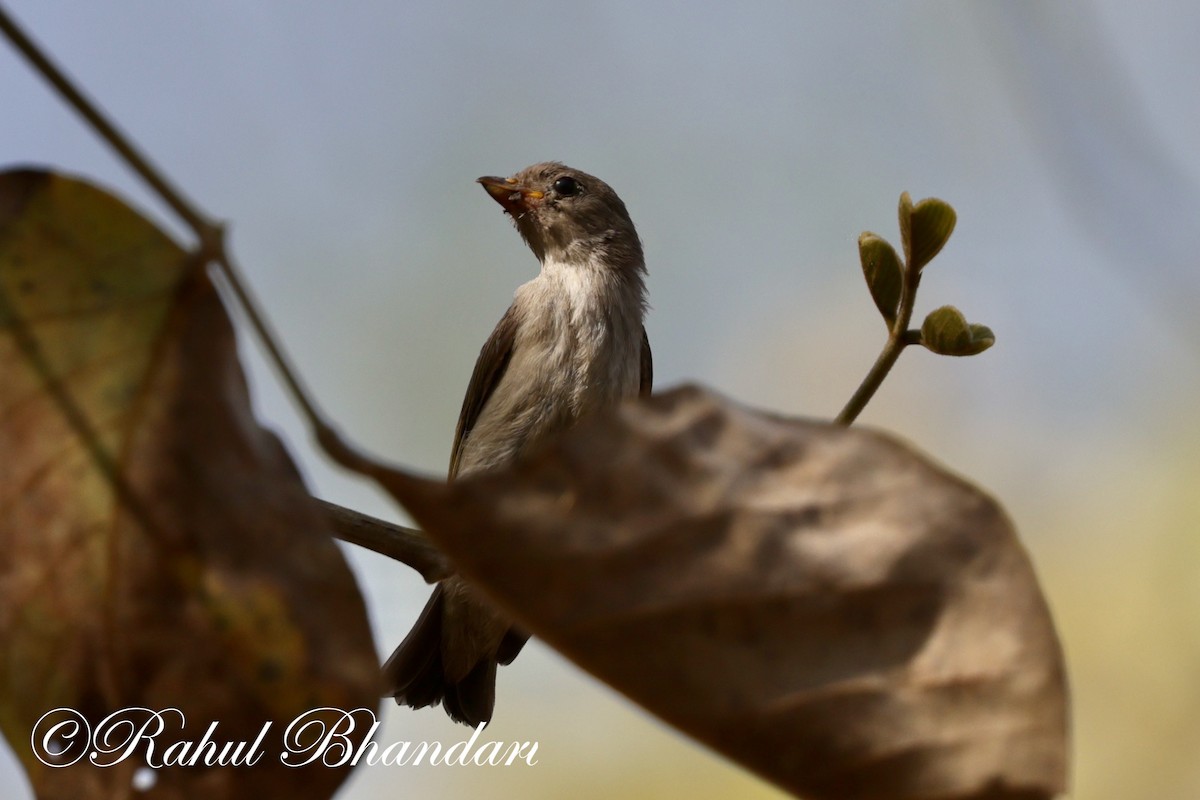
{"type": "Point", "coordinates": [572, 342]}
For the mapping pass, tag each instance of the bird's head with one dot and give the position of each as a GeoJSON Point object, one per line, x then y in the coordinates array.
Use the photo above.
{"type": "Point", "coordinates": [568, 216]}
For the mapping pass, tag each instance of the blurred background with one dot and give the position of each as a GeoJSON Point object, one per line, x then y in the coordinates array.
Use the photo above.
{"type": "Point", "coordinates": [752, 144]}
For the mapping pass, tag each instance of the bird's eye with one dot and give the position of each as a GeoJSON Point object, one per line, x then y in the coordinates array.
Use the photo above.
{"type": "Point", "coordinates": [567, 187]}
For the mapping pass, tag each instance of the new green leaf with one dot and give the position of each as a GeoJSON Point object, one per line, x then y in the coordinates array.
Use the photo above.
{"type": "Point", "coordinates": [947, 332]}
{"type": "Point", "coordinates": [924, 229]}
{"type": "Point", "coordinates": [881, 267]}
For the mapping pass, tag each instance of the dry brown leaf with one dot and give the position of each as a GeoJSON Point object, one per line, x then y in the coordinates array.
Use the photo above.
{"type": "Point", "coordinates": [157, 547]}
{"type": "Point", "coordinates": [822, 605]}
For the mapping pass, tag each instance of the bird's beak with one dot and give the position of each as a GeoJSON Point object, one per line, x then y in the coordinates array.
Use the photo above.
{"type": "Point", "coordinates": [515, 198]}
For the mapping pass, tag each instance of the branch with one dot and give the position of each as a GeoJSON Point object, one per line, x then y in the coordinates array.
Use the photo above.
{"type": "Point", "coordinates": [406, 545]}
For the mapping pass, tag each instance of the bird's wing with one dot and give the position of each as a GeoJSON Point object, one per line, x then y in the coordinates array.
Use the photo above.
{"type": "Point", "coordinates": [489, 369]}
{"type": "Point", "coordinates": [647, 367]}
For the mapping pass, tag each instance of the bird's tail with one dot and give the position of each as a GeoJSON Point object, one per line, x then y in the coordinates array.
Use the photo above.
{"type": "Point", "coordinates": [415, 673]}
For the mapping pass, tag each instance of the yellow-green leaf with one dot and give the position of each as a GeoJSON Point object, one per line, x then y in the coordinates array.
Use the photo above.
{"type": "Point", "coordinates": [157, 547]}
{"type": "Point", "coordinates": [946, 332]}
{"type": "Point", "coordinates": [881, 267]}
{"type": "Point", "coordinates": [930, 223]}
{"type": "Point", "coordinates": [905, 213]}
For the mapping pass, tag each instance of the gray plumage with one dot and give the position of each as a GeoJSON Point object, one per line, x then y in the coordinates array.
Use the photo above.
{"type": "Point", "coordinates": [571, 342]}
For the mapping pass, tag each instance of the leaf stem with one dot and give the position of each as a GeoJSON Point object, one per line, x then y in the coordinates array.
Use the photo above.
{"type": "Point", "coordinates": [899, 337]}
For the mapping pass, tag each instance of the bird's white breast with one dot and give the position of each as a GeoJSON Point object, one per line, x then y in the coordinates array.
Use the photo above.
{"type": "Point", "coordinates": [595, 316]}
{"type": "Point", "coordinates": [578, 348]}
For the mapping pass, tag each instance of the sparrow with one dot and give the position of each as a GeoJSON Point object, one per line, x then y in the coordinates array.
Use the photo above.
{"type": "Point", "coordinates": [571, 343]}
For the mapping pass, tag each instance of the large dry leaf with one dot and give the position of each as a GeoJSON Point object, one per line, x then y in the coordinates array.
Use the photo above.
{"type": "Point", "coordinates": [157, 547]}
{"type": "Point", "coordinates": [821, 604]}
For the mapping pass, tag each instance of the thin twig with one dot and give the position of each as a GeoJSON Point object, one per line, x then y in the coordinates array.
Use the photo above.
{"type": "Point", "coordinates": [102, 125]}
{"type": "Point", "coordinates": [211, 235]}
{"type": "Point", "coordinates": [870, 384]}
{"type": "Point", "coordinates": [390, 540]}
{"type": "Point", "coordinates": [899, 337]}
{"type": "Point", "coordinates": [326, 435]}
